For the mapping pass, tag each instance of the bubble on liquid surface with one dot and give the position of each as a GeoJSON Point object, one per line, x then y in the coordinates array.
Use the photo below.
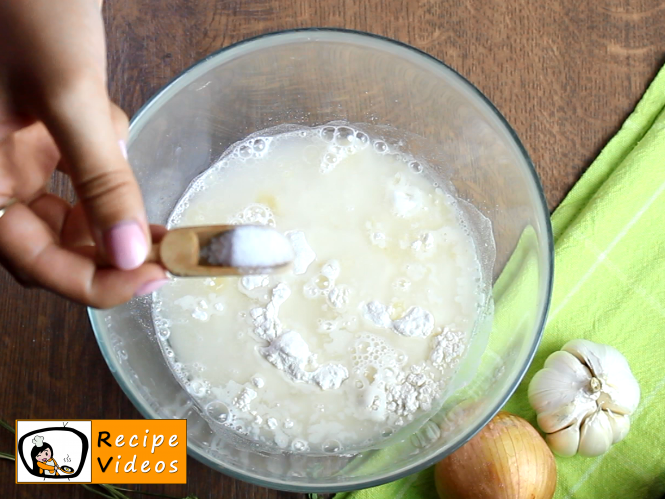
{"type": "Point", "coordinates": [322, 282]}
{"type": "Point", "coordinates": [344, 136]}
{"type": "Point", "coordinates": [163, 333]}
{"type": "Point", "coordinates": [259, 145]}
{"type": "Point", "coordinates": [415, 167]}
{"type": "Point", "coordinates": [328, 133]}
{"type": "Point", "coordinates": [218, 411]}
{"type": "Point", "coordinates": [299, 445]}
{"type": "Point", "coordinates": [160, 322]}
{"type": "Point", "coordinates": [402, 284]}
{"type": "Point", "coordinates": [330, 157]}
{"type": "Point", "coordinates": [245, 151]}
{"type": "Point", "coordinates": [255, 213]}
{"type": "Point", "coordinates": [362, 137]}
{"type": "Point", "coordinates": [331, 446]}
{"type": "Point", "coordinates": [197, 387]}
{"type": "Point", "coordinates": [381, 147]}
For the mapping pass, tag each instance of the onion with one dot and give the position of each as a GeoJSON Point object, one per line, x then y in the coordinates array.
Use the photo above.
{"type": "Point", "coordinates": [508, 459]}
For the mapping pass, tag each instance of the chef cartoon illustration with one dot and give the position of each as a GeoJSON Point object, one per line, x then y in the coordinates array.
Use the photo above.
{"type": "Point", "coordinates": [43, 462]}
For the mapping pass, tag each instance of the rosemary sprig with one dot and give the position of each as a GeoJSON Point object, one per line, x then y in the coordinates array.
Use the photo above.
{"type": "Point", "coordinates": [116, 494]}
{"type": "Point", "coordinates": [90, 488]}
{"type": "Point", "coordinates": [5, 455]}
{"type": "Point", "coordinates": [7, 426]}
{"type": "Point", "coordinates": [143, 492]}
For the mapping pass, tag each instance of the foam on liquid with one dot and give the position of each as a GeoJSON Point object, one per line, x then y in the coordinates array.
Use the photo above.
{"type": "Point", "coordinates": [363, 336]}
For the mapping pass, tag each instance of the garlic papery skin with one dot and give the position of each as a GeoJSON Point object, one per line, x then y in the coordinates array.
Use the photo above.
{"type": "Point", "coordinates": [620, 425]}
{"type": "Point", "coordinates": [583, 398]}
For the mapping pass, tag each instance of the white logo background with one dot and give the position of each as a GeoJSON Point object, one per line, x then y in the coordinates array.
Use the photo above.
{"type": "Point", "coordinates": [66, 447]}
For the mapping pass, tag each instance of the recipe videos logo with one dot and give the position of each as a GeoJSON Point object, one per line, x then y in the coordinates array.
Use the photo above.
{"type": "Point", "coordinates": [101, 451]}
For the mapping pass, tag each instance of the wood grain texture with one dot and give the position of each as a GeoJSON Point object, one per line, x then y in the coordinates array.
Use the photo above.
{"type": "Point", "coordinates": [564, 73]}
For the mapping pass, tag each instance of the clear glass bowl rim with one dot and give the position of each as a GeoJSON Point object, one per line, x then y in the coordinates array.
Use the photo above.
{"type": "Point", "coordinates": [149, 413]}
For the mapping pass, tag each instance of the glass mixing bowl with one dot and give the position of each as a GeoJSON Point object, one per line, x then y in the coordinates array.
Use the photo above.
{"type": "Point", "coordinates": [312, 77]}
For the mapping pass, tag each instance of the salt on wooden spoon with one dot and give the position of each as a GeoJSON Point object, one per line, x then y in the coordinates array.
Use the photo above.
{"type": "Point", "coordinates": [223, 250]}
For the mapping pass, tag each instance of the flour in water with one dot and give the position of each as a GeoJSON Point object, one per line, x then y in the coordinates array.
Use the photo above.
{"type": "Point", "coordinates": [366, 331]}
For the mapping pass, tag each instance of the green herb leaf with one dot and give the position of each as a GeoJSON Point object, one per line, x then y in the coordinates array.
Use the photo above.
{"type": "Point", "coordinates": [95, 491]}
{"type": "Point", "coordinates": [7, 426]}
{"type": "Point", "coordinates": [114, 491]}
{"type": "Point", "coordinates": [136, 491]}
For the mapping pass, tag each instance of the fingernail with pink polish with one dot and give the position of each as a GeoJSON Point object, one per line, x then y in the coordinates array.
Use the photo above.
{"type": "Point", "coordinates": [126, 245]}
{"type": "Point", "coordinates": [123, 148]}
{"type": "Point", "coordinates": [150, 287]}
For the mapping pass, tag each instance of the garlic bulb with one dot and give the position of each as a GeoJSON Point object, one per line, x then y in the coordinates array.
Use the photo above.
{"type": "Point", "coordinates": [583, 398]}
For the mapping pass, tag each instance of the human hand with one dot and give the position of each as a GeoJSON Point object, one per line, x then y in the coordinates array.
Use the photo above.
{"type": "Point", "coordinates": [55, 113]}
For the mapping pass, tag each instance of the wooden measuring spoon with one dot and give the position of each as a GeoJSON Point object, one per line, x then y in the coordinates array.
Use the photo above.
{"type": "Point", "coordinates": [222, 250]}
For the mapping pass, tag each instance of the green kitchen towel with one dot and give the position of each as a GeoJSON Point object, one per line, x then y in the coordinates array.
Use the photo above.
{"type": "Point", "coordinates": [609, 287]}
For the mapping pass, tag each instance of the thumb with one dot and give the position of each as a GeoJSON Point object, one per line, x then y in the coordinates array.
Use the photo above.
{"type": "Point", "coordinates": [89, 132]}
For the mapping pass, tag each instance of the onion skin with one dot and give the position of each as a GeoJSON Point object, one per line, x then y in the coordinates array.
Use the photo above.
{"type": "Point", "coordinates": [508, 459]}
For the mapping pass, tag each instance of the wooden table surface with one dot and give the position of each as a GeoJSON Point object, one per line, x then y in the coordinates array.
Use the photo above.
{"type": "Point", "coordinates": [565, 74]}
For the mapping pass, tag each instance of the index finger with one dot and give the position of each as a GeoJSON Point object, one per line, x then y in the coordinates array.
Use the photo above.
{"type": "Point", "coordinates": [81, 122]}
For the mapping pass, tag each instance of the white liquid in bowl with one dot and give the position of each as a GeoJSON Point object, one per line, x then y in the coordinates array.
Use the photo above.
{"type": "Point", "coordinates": [365, 333]}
